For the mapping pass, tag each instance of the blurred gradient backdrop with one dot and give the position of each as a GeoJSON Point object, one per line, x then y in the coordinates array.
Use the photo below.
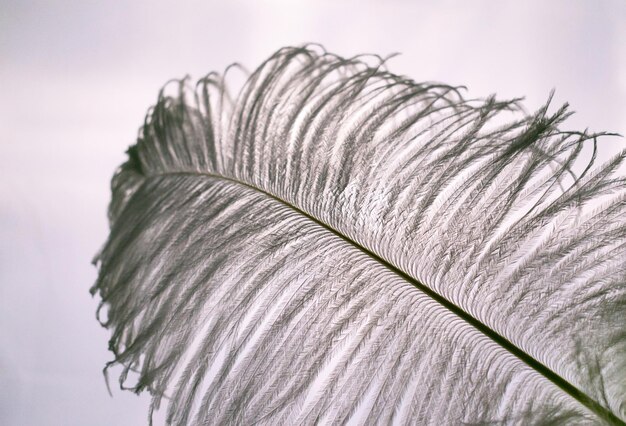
{"type": "Point", "coordinates": [76, 79]}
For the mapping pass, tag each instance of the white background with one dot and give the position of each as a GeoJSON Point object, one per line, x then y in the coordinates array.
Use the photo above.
{"type": "Point", "coordinates": [76, 78]}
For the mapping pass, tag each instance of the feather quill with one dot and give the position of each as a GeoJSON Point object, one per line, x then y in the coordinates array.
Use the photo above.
{"type": "Point", "coordinates": [332, 243]}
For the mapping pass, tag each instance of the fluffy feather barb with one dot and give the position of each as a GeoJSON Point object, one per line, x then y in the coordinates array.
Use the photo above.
{"type": "Point", "coordinates": [334, 243]}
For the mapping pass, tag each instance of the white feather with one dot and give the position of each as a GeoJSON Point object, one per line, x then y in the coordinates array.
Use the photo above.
{"type": "Point", "coordinates": [338, 244]}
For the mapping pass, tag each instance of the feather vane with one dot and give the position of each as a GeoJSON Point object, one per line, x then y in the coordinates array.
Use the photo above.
{"type": "Point", "coordinates": [333, 243]}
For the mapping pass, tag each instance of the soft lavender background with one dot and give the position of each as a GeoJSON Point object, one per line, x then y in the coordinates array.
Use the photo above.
{"type": "Point", "coordinates": [76, 78]}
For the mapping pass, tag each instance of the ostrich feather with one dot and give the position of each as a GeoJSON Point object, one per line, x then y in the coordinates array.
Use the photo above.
{"type": "Point", "coordinates": [327, 242]}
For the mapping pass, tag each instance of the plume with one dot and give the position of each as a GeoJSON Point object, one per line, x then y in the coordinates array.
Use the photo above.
{"type": "Point", "coordinates": [324, 242]}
